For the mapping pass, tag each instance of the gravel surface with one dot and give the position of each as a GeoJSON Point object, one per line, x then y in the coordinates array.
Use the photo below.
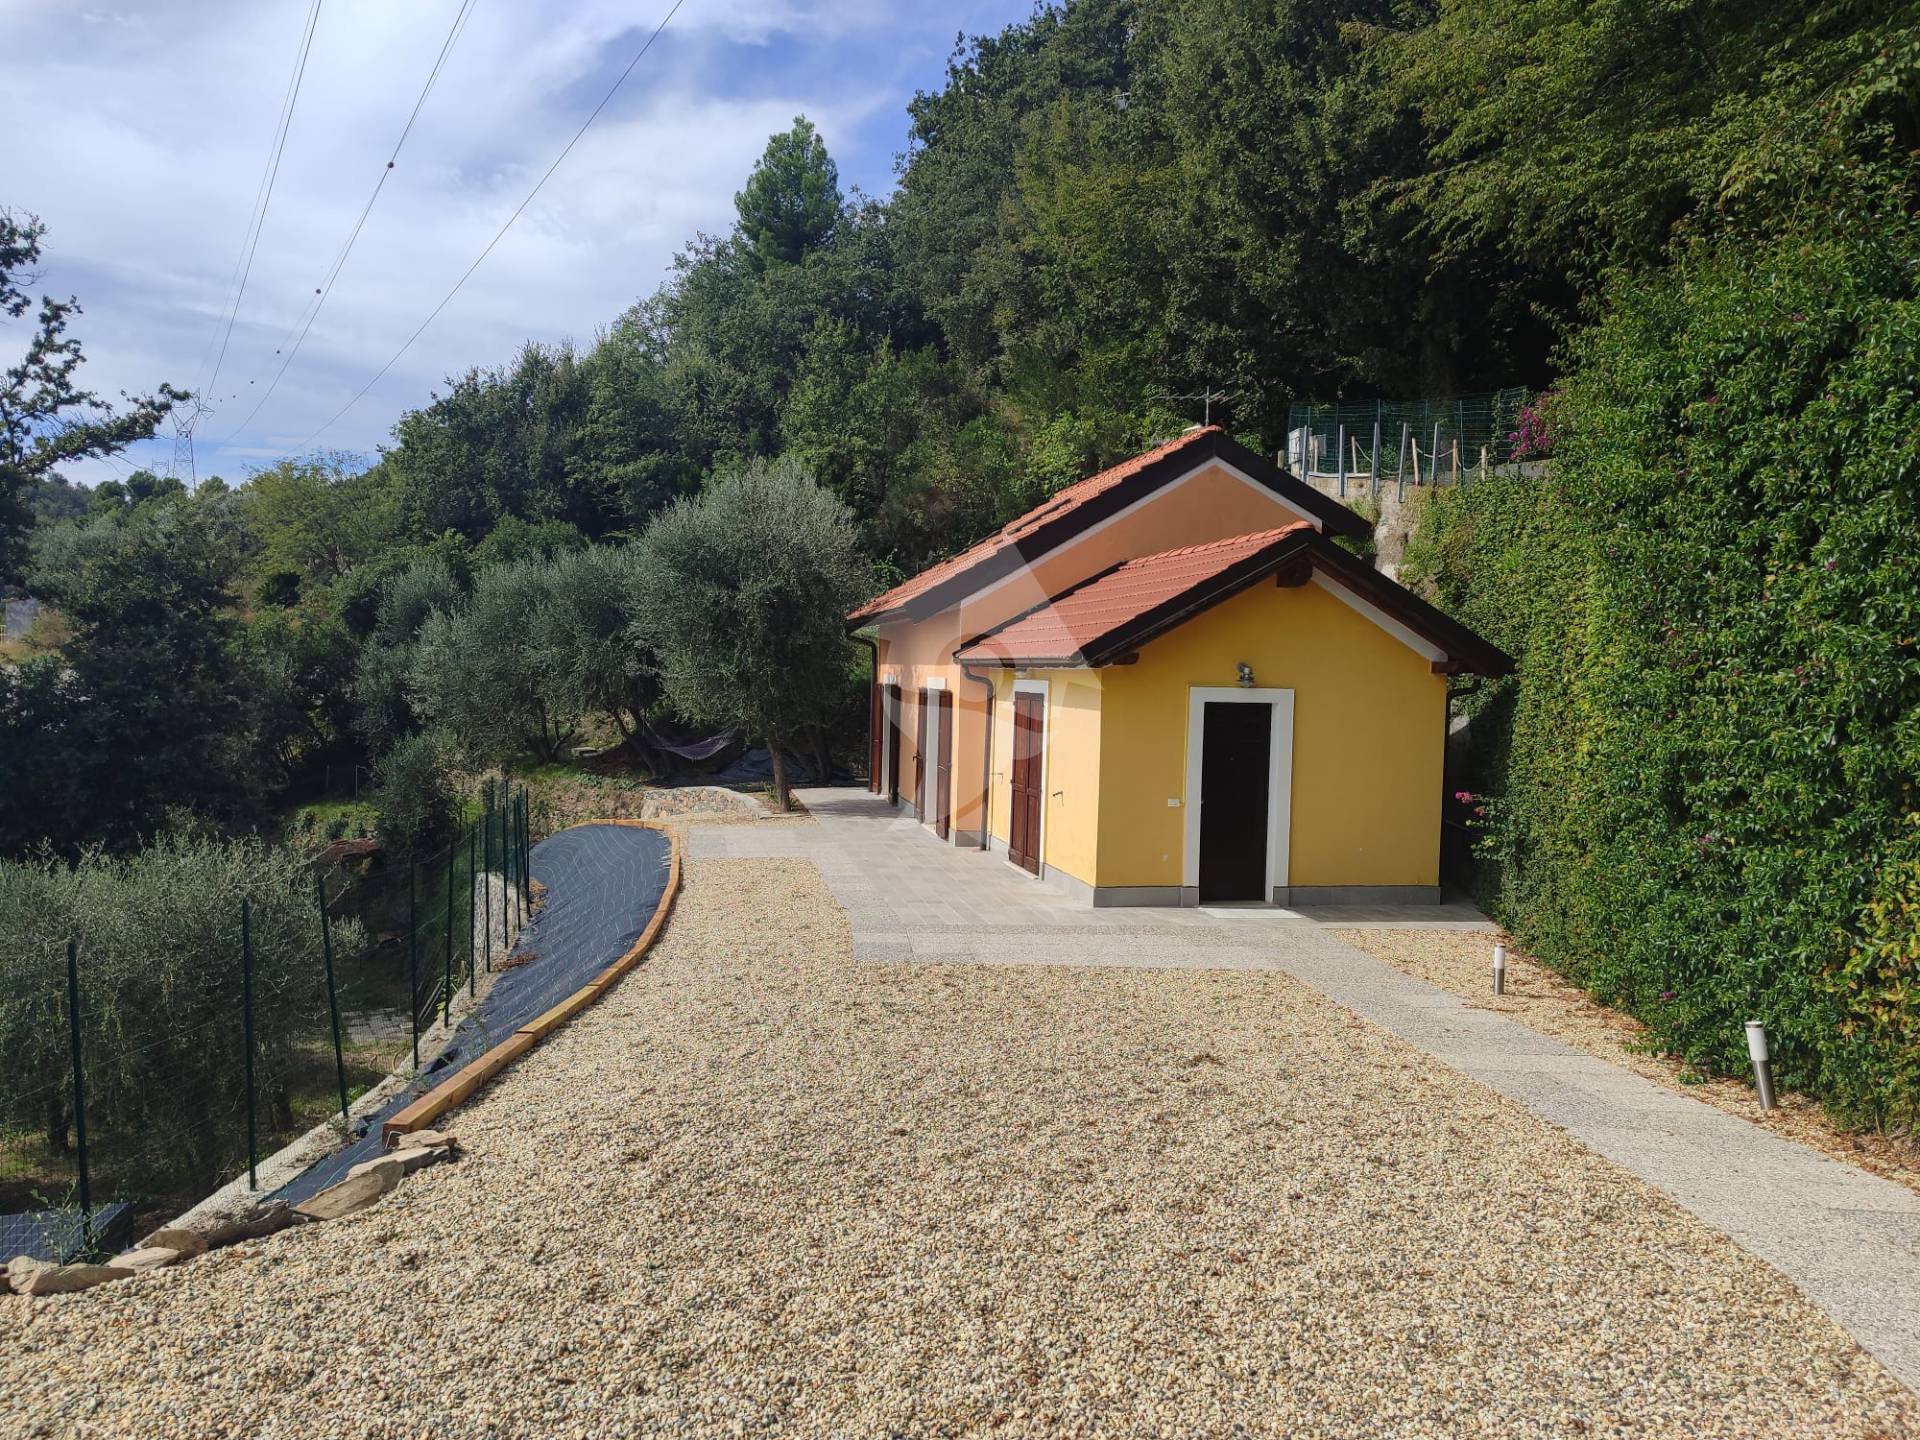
{"type": "Point", "coordinates": [1546, 1001]}
{"type": "Point", "coordinates": [761, 1189]}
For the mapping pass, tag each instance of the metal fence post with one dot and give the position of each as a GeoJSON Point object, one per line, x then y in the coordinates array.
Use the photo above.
{"type": "Point", "coordinates": [246, 1006]}
{"type": "Point", "coordinates": [413, 955]}
{"type": "Point", "coordinates": [446, 972]}
{"type": "Point", "coordinates": [486, 892]}
{"type": "Point", "coordinates": [1400, 471]}
{"type": "Point", "coordinates": [1340, 457]}
{"type": "Point", "coordinates": [333, 995]}
{"type": "Point", "coordinates": [79, 1092]}
{"type": "Point", "coordinates": [526, 848]}
{"type": "Point", "coordinates": [508, 889]}
{"type": "Point", "coordinates": [472, 875]}
{"type": "Point", "coordinates": [1373, 456]}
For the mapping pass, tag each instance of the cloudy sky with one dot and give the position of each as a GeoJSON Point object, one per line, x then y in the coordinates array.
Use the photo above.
{"type": "Point", "coordinates": [141, 134]}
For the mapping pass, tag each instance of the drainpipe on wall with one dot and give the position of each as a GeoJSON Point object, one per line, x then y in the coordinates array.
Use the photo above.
{"type": "Point", "coordinates": [986, 760]}
{"type": "Point", "coordinates": [874, 738]}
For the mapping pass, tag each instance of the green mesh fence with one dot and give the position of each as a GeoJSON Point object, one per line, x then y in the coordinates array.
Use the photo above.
{"type": "Point", "coordinates": [1401, 442]}
{"type": "Point", "coordinates": [133, 1078]}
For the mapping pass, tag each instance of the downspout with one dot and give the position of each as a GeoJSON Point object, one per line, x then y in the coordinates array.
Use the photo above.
{"type": "Point", "coordinates": [874, 738]}
{"type": "Point", "coordinates": [986, 760]}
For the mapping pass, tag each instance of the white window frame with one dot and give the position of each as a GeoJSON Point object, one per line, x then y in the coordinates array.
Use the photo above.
{"type": "Point", "coordinates": [1044, 689]}
{"type": "Point", "coordinates": [1279, 778]}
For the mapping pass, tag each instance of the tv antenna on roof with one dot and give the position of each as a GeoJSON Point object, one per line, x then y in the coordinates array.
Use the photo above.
{"type": "Point", "coordinates": [1205, 396]}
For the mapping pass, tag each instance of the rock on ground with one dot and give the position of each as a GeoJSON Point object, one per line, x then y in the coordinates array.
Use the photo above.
{"type": "Point", "coordinates": [760, 1189]}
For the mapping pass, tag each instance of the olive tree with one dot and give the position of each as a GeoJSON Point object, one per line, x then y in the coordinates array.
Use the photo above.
{"type": "Point", "coordinates": [383, 709]}
{"type": "Point", "coordinates": [744, 591]}
{"type": "Point", "coordinates": [159, 942]}
{"type": "Point", "coordinates": [481, 674]}
{"type": "Point", "coordinates": [593, 651]}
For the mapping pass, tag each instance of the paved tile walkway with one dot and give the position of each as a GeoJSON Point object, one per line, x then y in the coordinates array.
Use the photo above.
{"type": "Point", "coordinates": [1849, 1240]}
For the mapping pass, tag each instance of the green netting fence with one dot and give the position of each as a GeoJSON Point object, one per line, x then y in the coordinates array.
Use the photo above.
{"type": "Point", "coordinates": [147, 1058]}
{"type": "Point", "coordinates": [1365, 444]}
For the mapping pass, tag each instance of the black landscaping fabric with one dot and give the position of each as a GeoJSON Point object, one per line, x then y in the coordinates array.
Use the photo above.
{"type": "Point", "coordinates": [603, 883]}
{"type": "Point", "coordinates": [61, 1234]}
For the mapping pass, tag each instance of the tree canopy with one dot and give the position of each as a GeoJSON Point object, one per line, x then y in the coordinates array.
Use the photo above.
{"type": "Point", "coordinates": [46, 419]}
{"type": "Point", "coordinates": [742, 592]}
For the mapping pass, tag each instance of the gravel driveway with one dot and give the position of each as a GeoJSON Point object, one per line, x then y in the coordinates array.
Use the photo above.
{"type": "Point", "coordinates": [761, 1189]}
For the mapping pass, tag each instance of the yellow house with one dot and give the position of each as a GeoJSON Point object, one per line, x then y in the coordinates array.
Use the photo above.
{"type": "Point", "coordinates": [1168, 685]}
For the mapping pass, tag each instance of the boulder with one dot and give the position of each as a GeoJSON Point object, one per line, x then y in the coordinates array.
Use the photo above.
{"type": "Point", "coordinates": [250, 1221]}
{"type": "Point", "coordinates": [269, 1217]}
{"type": "Point", "coordinates": [425, 1140]}
{"type": "Point", "coordinates": [65, 1279]}
{"type": "Point", "coordinates": [147, 1257]}
{"type": "Point", "coordinates": [409, 1158]}
{"type": "Point", "coordinates": [23, 1268]}
{"type": "Point", "coordinates": [177, 1238]}
{"type": "Point", "coordinates": [364, 1184]}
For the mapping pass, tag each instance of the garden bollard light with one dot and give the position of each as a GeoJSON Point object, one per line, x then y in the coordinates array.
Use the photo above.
{"type": "Point", "coordinates": [1499, 969]}
{"type": "Point", "coordinates": [1762, 1062]}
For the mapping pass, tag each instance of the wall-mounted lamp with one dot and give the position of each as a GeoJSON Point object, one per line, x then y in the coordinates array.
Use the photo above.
{"type": "Point", "coordinates": [1246, 675]}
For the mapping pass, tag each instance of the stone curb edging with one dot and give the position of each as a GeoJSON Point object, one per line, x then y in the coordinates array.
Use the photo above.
{"type": "Point", "coordinates": [462, 1087]}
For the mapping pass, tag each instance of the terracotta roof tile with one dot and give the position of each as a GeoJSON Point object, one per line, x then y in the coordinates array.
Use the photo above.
{"type": "Point", "coordinates": [1061, 503]}
{"type": "Point", "coordinates": [1072, 622]}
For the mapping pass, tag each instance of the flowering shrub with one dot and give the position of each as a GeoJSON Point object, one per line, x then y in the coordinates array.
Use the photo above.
{"type": "Point", "coordinates": [1532, 435]}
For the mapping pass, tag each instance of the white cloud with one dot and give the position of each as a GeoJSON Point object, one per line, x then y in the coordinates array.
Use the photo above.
{"type": "Point", "coordinates": [147, 129]}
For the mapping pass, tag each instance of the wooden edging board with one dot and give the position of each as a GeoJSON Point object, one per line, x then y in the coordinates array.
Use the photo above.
{"type": "Point", "coordinates": [443, 1097]}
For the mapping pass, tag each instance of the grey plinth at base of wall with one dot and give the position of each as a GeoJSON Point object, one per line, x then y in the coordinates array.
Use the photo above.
{"type": "Point", "coordinates": [1356, 895]}
{"type": "Point", "coordinates": [1109, 897]}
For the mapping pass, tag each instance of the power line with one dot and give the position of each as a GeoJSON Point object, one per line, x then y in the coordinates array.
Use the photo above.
{"type": "Point", "coordinates": [324, 290]}
{"type": "Point", "coordinates": [233, 279]}
{"type": "Point", "coordinates": [435, 313]}
{"type": "Point", "coordinates": [266, 197]}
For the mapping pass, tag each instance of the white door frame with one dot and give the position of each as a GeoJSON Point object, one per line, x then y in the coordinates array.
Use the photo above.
{"type": "Point", "coordinates": [1279, 778]}
{"type": "Point", "coordinates": [1042, 688]}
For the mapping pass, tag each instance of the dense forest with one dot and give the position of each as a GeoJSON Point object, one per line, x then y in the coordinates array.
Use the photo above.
{"type": "Point", "coordinates": [1690, 224]}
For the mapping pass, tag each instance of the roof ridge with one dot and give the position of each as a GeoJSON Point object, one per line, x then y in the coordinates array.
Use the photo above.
{"type": "Point", "coordinates": [1069, 495]}
{"type": "Point", "coordinates": [1056, 519]}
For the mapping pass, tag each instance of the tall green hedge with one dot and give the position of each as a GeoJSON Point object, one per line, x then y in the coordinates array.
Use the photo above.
{"type": "Point", "coordinates": [1699, 792]}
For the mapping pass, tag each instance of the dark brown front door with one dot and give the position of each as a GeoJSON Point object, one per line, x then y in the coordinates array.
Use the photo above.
{"type": "Point", "coordinates": [1023, 823]}
{"type": "Point", "coordinates": [943, 766]}
{"type": "Point", "coordinates": [1237, 737]}
{"type": "Point", "coordinates": [922, 754]}
{"type": "Point", "coordinates": [893, 744]}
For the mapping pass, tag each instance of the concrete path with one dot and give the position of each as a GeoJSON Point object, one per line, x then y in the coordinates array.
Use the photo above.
{"type": "Point", "coordinates": [1849, 1240]}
